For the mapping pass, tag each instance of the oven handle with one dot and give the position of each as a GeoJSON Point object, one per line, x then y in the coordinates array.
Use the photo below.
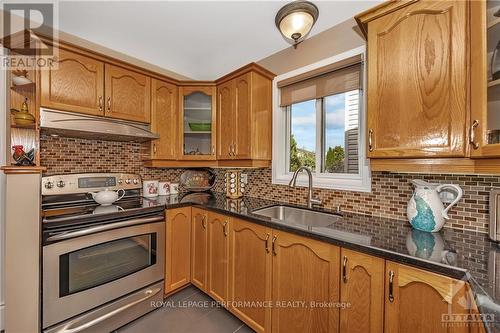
{"type": "Point", "coordinates": [104, 227]}
{"type": "Point", "coordinates": [68, 329]}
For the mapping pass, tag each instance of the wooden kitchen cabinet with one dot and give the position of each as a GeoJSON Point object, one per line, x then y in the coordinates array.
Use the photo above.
{"type": "Point", "coordinates": [305, 275]}
{"type": "Point", "coordinates": [197, 123]}
{"type": "Point", "coordinates": [199, 246]}
{"type": "Point", "coordinates": [361, 286]}
{"type": "Point", "coordinates": [218, 256]}
{"type": "Point", "coordinates": [417, 301]}
{"type": "Point", "coordinates": [128, 94]}
{"type": "Point", "coordinates": [485, 88]}
{"type": "Point", "coordinates": [178, 248]}
{"type": "Point", "coordinates": [250, 273]}
{"type": "Point", "coordinates": [76, 84]}
{"type": "Point", "coordinates": [225, 120]}
{"type": "Point", "coordinates": [164, 120]}
{"type": "Point", "coordinates": [417, 64]}
{"type": "Point", "coordinates": [244, 115]}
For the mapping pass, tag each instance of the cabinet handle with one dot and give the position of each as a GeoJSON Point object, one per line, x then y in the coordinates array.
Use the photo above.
{"type": "Point", "coordinates": [344, 270]}
{"type": "Point", "coordinates": [230, 150]}
{"type": "Point", "coordinates": [370, 140]}
{"type": "Point", "coordinates": [204, 222]}
{"type": "Point", "coordinates": [213, 150]}
{"type": "Point", "coordinates": [109, 103]}
{"type": "Point", "coordinates": [154, 148]}
{"type": "Point", "coordinates": [234, 149]}
{"type": "Point", "coordinates": [473, 127]}
{"type": "Point", "coordinates": [267, 243]}
{"type": "Point", "coordinates": [391, 286]}
{"type": "Point", "coordinates": [274, 245]}
{"type": "Point", "coordinates": [225, 228]}
{"type": "Point", "coordinates": [100, 103]}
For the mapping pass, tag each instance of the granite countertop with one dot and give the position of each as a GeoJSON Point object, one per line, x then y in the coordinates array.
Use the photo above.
{"type": "Point", "coordinates": [459, 254]}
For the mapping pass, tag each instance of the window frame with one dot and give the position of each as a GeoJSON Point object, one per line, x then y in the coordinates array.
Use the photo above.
{"type": "Point", "coordinates": [360, 182]}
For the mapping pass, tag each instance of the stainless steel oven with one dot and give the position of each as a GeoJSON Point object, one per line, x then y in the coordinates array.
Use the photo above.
{"type": "Point", "coordinates": [102, 265]}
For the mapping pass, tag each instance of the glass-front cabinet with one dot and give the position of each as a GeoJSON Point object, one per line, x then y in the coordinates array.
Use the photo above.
{"type": "Point", "coordinates": [197, 123]}
{"type": "Point", "coordinates": [484, 134]}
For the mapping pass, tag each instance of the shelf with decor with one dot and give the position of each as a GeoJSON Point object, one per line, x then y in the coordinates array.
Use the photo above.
{"type": "Point", "coordinates": [24, 134]}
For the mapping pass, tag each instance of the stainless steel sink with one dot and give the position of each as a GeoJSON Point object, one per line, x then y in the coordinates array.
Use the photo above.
{"type": "Point", "coordinates": [298, 216]}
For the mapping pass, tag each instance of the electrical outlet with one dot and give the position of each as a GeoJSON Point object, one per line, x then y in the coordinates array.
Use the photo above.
{"type": "Point", "coordinates": [244, 178]}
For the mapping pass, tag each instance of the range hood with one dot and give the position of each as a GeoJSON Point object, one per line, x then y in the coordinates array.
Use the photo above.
{"type": "Point", "coordinates": [71, 124]}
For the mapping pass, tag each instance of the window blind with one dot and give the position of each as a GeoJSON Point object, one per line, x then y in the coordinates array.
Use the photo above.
{"type": "Point", "coordinates": [332, 79]}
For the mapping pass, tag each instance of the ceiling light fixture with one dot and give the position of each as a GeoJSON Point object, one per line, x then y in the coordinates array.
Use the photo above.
{"type": "Point", "coordinates": [296, 19]}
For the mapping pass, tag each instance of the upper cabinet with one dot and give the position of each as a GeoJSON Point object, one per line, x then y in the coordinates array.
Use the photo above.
{"type": "Point", "coordinates": [244, 115]}
{"type": "Point", "coordinates": [433, 86]}
{"type": "Point", "coordinates": [127, 94]}
{"type": "Point", "coordinates": [417, 79]}
{"type": "Point", "coordinates": [164, 119]}
{"type": "Point", "coordinates": [197, 125]}
{"type": "Point", "coordinates": [83, 84]}
{"type": "Point", "coordinates": [225, 120]}
{"type": "Point", "coordinates": [485, 79]}
{"type": "Point", "coordinates": [226, 123]}
{"type": "Point", "coordinates": [76, 84]}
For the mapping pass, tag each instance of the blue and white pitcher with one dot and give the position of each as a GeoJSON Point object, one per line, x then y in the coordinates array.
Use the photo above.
{"type": "Point", "coordinates": [425, 209]}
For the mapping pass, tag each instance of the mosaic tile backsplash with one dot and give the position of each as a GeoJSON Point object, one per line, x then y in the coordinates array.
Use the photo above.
{"type": "Point", "coordinates": [389, 196]}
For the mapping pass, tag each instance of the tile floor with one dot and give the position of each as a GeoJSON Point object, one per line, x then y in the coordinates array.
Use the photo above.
{"type": "Point", "coordinates": [188, 311]}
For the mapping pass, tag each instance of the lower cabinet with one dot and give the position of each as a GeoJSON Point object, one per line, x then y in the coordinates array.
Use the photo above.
{"type": "Point", "coordinates": [276, 281]}
{"type": "Point", "coordinates": [250, 274]}
{"type": "Point", "coordinates": [178, 248]}
{"type": "Point", "coordinates": [362, 288]}
{"type": "Point", "coordinates": [199, 243]}
{"type": "Point", "coordinates": [305, 284]}
{"type": "Point", "coordinates": [218, 256]}
{"type": "Point", "coordinates": [418, 301]}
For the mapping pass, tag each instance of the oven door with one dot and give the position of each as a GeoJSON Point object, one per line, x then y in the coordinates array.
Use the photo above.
{"type": "Point", "coordinates": [82, 273]}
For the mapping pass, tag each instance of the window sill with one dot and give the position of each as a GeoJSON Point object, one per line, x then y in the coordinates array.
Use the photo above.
{"type": "Point", "coordinates": [353, 183]}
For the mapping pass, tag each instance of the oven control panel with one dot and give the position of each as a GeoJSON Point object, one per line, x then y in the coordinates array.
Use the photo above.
{"type": "Point", "coordinates": [89, 182]}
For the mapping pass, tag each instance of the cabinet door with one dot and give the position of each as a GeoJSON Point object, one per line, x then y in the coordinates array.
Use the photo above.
{"type": "Point", "coordinates": [199, 246]}
{"type": "Point", "coordinates": [127, 94]}
{"type": "Point", "coordinates": [178, 248]}
{"type": "Point", "coordinates": [417, 301]}
{"type": "Point", "coordinates": [242, 123]}
{"type": "Point", "coordinates": [218, 256]}
{"type": "Point", "coordinates": [164, 120]}
{"type": "Point", "coordinates": [250, 273]}
{"type": "Point", "coordinates": [76, 84]}
{"type": "Point", "coordinates": [197, 125]}
{"type": "Point", "coordinates": [485, 89]}
{"type": "Point", "coordinates": [417, 81]}
{"type": "Point", "coordinates": [305, 275]}
{"type": "Point", "coordinates": [361, 286]}
{"type": "Point", "coordinates": [225, 120]}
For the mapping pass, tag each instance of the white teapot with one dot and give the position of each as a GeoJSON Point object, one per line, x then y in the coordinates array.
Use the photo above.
{"type": "Point", "coordinates": [425, 209]}
{"type": "Point", "coordinates": [107, 197]}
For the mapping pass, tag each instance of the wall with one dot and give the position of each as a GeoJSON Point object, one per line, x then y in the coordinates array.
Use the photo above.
{"type": "Point", "coordinates": [340, 38]}
{"type": "Point", "coordinates": [389, 196]}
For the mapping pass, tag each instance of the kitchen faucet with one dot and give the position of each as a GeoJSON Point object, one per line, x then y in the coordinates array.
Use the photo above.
{"type": "Point", "coordinates": [310, 200]}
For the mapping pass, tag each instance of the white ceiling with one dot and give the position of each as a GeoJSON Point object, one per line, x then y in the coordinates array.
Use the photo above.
{"type": "Point", "coordinates": [202, 40]}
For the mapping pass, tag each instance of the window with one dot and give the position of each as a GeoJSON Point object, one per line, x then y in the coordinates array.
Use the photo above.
{"type": "Point", "coordinates": [318, 123]}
